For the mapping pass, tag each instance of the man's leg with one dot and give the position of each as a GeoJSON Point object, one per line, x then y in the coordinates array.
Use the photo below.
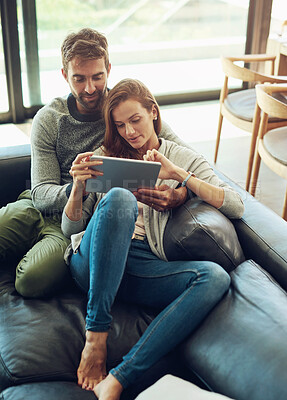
{"type": "Point", "coordinates": [20, 224]}
{"type": "Point", "coordinates": [43, 270]}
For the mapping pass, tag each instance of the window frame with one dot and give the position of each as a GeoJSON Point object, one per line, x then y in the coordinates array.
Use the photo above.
{"type": "Point", "coordinates": [256, 40]}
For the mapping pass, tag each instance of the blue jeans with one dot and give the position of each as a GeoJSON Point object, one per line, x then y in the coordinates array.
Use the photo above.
{"type": "Point", "coordinates": [109, 264]}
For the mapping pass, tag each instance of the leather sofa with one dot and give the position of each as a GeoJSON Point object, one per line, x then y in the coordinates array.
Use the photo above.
{"type": "Point", "coordinates": [239, 350]}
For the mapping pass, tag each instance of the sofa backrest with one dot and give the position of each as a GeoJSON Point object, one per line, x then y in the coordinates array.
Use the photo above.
{"type": "Point", "coordinates": [262, 233]}
{"type": "Point", "coordinates": [15, 166]}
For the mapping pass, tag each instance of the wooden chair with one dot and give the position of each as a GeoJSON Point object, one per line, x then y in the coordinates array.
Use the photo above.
{"type": "Point", "coordinates": [239, 107]}
{"type": "Point", "coordinates": [271, 144]}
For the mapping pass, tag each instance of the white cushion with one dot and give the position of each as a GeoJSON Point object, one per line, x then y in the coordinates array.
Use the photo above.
{"type": "Point", "coordinates": [172, 388]}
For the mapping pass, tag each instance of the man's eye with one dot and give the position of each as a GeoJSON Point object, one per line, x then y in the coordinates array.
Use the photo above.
{"type": "Point", "coordinates": [79, 80]}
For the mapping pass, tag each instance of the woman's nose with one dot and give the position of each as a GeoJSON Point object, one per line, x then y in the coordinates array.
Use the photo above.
{"type": "Point", "coordinates": [129, 129]}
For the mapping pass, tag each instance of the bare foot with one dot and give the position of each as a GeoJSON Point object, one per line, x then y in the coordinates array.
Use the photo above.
{"type": "Point", "coordinates": [108, 389]}
{"type": "Point", "coordinates": [92, 368]}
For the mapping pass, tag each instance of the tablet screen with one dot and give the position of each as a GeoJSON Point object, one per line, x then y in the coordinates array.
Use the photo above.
{"type": "Point", "coordinates": [125, 173]}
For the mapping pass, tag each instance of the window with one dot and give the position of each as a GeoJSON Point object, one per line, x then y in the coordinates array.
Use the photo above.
{"type": "Point", "coordinates": [279, 15]}
{"type": "Point", "coordinates": [173, 46]}
{"type": "Point", "coordinates": [4, 106]}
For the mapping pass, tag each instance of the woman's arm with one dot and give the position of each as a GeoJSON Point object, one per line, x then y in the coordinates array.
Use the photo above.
{"type": "Point", "coordinates": [72, 218]}
{"type": "Point", "coordinates": [216, 193]}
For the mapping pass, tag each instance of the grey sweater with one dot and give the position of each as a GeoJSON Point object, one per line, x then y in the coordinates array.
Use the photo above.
{"type": "Point", "coordinates": [154, 221]}
{"type": "Point", "coordinates": [59, 132]}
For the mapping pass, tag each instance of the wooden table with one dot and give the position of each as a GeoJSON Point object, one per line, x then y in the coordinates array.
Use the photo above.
{"type": "Point", "coordinates": [277, 45]}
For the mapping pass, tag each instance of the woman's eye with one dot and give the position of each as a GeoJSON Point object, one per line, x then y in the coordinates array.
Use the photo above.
{"type": "Point", "coordinates": [134, 121]}
{"type": "Point", "coordinates": [119, 126]}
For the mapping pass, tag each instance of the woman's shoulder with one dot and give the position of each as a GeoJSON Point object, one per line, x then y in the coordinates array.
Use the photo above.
{"type": "Point", "coordinates": [172, 149]}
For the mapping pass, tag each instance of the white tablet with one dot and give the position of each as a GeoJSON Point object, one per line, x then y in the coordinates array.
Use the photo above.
{"type": "Point", "coordinates": [125, 173]}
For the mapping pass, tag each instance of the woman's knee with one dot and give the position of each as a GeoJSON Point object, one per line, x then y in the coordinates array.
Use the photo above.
{"type": "Point", "coordinates": [121, 203]}
{"type": "Point", "coordinates": [219, 277]}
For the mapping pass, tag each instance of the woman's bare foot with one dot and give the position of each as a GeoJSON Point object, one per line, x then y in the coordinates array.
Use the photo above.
{"type": "Point", "coordinates": [92, 368]}
{"type": "Point", "coordinates": [108, 389]}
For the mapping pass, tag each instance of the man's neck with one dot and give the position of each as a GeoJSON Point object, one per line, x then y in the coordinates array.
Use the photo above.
{"type": "Point", "coordinates": [82, 117]}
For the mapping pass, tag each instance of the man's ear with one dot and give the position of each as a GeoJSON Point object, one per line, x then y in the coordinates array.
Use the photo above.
{"type": "Point", "coordinates": [109, 69]}
{"type": "Point", "coordinates": [64, 74]}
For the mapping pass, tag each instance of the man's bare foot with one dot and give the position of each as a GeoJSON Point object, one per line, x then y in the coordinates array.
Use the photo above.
{"type": "Point", "coordinates": [108, 389]}
{"type": "Point", "coordinates": [92, 368]}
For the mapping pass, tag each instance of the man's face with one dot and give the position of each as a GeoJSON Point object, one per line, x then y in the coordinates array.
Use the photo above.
{"type": "Point", "coordinates": [88, 83]}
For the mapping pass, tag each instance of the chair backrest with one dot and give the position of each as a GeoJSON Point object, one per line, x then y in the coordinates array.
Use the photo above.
{"type": "Point", "coordinates": [270, 104]}
{"type": "Point", "coordinates": [230, 69]}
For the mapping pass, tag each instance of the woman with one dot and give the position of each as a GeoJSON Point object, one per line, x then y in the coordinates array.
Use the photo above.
{"type": "Point", "coordinates": [121, 251]}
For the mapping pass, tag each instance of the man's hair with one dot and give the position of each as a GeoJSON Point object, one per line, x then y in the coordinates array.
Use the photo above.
{"type": "Point", "coordinates": [114, 144]}
{"type": "Point", "coordinates": [87, 44]}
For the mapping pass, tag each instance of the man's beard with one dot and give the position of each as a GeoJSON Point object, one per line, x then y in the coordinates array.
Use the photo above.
{"type": "Point", "coordinates": [94, 105]}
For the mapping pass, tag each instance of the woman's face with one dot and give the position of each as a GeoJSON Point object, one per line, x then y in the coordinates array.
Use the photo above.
{"type": "Point", "coordinates": [135, 124]}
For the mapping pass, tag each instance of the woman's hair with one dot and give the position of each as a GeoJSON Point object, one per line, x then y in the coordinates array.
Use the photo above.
{"type": "Point", "coordinates": [114, 144]}
{"type": "Point", "coordinates": [87, 44]}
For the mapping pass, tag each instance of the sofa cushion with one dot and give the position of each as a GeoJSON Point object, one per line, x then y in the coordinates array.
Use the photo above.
{"type": "Point", "coordinates": [42, 339]}
{"type": "Point", "coordinates": [47, 390]}
{"type": "Point", "coordinates": [240, 349]}
{"type": "Point", "coordinates": [15, 165]}
{"type": "Point", "coordinates": [198, 231]}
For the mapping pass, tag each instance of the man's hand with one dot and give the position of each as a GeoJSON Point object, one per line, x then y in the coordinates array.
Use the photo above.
{"type": "Point", "coordinates": [162, 198]}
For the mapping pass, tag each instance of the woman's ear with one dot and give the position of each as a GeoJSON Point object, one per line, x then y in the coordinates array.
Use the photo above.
{"type": "Point", "coordinates": [154, 112]}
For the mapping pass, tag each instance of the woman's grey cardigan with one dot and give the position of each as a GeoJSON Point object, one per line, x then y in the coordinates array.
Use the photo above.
{"type": "Point", "coordinates": [154, 221]}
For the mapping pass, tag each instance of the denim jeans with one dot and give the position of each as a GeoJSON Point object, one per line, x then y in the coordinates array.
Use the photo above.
{"type": "Point", "coordinates": [109, 264]}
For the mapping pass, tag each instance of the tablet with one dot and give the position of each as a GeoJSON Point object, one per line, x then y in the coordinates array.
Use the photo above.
{"type": "Point", "coordinates": [125, 173]}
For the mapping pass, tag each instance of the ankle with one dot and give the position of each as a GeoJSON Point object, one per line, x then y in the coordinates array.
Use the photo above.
{"type": "Point", "coordinates": [96, 337]}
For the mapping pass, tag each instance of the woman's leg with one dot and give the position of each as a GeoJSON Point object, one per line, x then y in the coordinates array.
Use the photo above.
{"type": "Point", "coordinates": [186, 291]}
{"type": "Point", "coordinates": [98, 268]}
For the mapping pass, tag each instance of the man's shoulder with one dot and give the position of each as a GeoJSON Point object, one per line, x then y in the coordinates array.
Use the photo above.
{"type": "Point", "coordinates": [56, 105]}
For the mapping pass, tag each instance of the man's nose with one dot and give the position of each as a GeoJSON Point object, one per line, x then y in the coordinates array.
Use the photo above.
{"type": "Point", "coordinates": [90, 87]}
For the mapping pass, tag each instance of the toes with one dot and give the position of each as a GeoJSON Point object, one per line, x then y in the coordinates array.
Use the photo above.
{"type": "Point", "coordinates": [80, 379]}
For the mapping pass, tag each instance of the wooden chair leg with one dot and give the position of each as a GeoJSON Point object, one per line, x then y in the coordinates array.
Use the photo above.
{"type": "Point", "coordinates": [284, 215]}
{"type": "Point", "coordinates": [255, 127]}
{"type": "Point", "coordinates": [254, 179]}
{"type": "Point", "coordinates": [218, 136]}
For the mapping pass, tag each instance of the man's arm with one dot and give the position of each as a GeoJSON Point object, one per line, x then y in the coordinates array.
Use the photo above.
{"type": "Point", "coordinates": [48, 194]}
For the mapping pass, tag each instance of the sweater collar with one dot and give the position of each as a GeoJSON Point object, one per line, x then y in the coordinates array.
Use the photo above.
{"type": "Point", "coordinates": [71, 101]}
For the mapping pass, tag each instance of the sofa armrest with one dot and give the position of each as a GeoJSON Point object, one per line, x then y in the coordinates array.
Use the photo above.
{"type": "Point", "coordinates": [15, 165]}
{"type": "Point", "coordinates": [262, 234]}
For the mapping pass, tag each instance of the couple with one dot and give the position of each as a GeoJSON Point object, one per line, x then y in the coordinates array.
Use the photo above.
{"type": "Point", "coordinates": [74, 125]}
{"type": "Point", "coordinates": [119, 252]}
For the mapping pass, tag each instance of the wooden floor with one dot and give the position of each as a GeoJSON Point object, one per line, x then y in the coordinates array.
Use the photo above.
{"type": "Point", "coordinates": [196, 124]}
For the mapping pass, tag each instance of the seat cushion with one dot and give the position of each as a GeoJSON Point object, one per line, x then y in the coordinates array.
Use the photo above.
{"type": "Point", "coordinates": [42, 339]}
{"type": "Point", "coordinates": [198, 231]}
{"type": "Point", "coordinates": [275, 142]}
{"type": "Point", "coordinates": [47, 390]}
{"type": "Point", "coordinates": [242, 104]}
{"type": "Point", "coordinates": [240, 349]}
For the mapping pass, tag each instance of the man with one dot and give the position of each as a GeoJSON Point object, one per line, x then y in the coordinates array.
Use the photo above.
{"type": "Point", "coordinates": [60, 130]}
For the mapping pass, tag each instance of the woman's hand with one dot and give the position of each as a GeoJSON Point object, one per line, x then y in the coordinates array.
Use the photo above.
{"type": "Point", "coordinates": [81, 170]}
{"type": "Point", "coordinates": [168, 169]}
